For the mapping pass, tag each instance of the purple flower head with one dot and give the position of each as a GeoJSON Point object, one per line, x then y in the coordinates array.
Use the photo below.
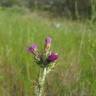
{"type": "Point", "coordinates": [48, 40]}
{"type": "Point", "coordinates": [33, 48]}
{"type": "Point", "coordinates": [53, 57]}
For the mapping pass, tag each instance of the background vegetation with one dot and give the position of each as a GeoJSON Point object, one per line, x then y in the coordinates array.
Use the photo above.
{"type": "Point", "coordinates": [74, 9]}
{"type": "Point", "coordinates": [22, 23]}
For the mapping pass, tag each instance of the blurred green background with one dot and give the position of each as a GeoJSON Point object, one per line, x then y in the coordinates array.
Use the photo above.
{"type": "Point", "coordinates": [73, 30]}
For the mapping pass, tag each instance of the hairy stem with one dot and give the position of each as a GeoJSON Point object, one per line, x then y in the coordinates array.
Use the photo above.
{"type": "Point", "coordinates": [40, 87]}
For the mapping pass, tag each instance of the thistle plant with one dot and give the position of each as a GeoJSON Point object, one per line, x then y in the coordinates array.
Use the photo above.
{"type": "Point", "coordinates": [47, 60]}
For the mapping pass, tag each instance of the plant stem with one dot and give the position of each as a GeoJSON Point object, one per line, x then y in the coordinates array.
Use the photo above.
{"type": "Point", "coordinates": [40, 86]}
{"type": "Point", "coordinates": [42, 81]}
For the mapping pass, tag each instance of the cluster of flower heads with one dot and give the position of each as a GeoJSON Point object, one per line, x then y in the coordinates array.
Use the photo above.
{"type": "Point", "coordinates": [46, 56]}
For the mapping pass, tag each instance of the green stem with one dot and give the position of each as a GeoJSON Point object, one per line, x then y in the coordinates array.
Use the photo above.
{"type": "Point", "coordinates": [40, 86]}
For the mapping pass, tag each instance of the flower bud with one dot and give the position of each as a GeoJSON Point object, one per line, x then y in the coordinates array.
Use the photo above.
{"type": "Point", "coordinates": [52, 57]}
{"type": "Point", "coordinates": [48, 41]}
{"type": "Point", "coordinates": [33, 49]}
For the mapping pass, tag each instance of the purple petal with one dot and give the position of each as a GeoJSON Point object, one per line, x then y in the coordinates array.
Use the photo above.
{"type": "Point", "coordinates": [48, 40]}
{"type": "Point", "coordinates": [53, 57]}
{"type": "Point", "coordinates": [33, 48]}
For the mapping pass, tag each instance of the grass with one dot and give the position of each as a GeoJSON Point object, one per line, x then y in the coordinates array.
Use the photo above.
{"type": "Point", "coordinates": [75, 41]}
